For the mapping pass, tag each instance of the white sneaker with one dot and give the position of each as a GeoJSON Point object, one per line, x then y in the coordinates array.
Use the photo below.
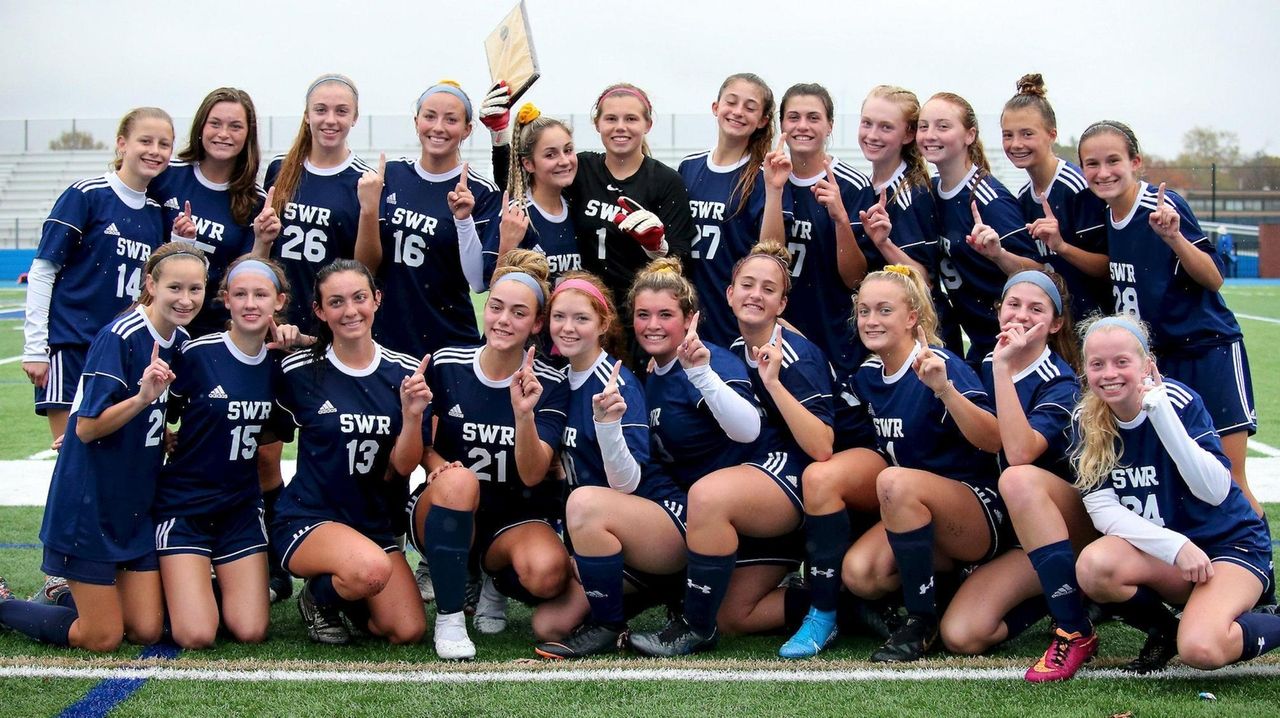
{"type": "Point", "coordinates": [491, 609]}
{"type": "Point", "coordinates": [422, 575]}
{"type": "Point", "coordinates": [451, 639]}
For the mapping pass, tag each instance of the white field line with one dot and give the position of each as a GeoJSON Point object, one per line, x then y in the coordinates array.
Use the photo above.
{"type": "Point", "coordinates": [10, 360]}
{"type": "Point", "coordinates": [1262, 448]}
{"type": "Point", "coordinates": [611, 674]}
{"type": "Point", "coordinates": [1257, 318]}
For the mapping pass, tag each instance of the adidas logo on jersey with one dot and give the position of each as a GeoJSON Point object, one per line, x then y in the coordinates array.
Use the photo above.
{"type": "Point", "coordinates": [111, 230]}
{"type": "Point", "coordinates": [327, 408]}
{"type": "Point", "coordinates": [1065, 590]}
{"type": "Point", "coordinates": [218, 393]}
{"type": "Point", "coordinates": [456, 411]}
{"type": "Point", "coordinates": [391, 198]}
{"type": "Point", "coordinates": [172, 203]}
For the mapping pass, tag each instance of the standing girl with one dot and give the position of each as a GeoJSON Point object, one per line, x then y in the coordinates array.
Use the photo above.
{"type": "Point", "coordinates": [358, 407]}
{"type": "Point", "coordinates": [1176, 527]}
{"type": "Point", "coordinates": [89, 265]}
{"type": "Point", "coordinates": [1164, 271]}
{"type": "Point", "coordinates": [726, 196]}
{"type": "Point", "coordinates": [1063, 216]}
{"type": "Point", "coordinates": [97, 530]}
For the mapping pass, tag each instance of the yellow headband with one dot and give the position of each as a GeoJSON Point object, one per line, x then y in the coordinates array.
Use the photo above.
{"type": "Point", "coordinates": [902, 269]}
{"type": "Point", "coordinates": [528, 113]}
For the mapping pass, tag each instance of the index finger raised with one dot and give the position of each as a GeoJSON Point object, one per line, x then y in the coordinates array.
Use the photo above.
{"type": "Point", "coordinates": [155, 350]}
{"type": "Point", "coordinates": [693, 325]}
{"type": "Point", "coordinates": [422, 365]}
{"type": "Point", "coordinates": [881, 201]}
{"type": "Point", "coordinates": [1044, 204]}
{"type": "Point", "coordinates": [382, 163]}
{"type": "Point", "coordinates": [186, 209]}
{"type": "Point", "coordinates": [612, 384]}
{"type": "Point", "coordinates": [528, 359]}
{"type": "Point", "coordinates": [271, 195]}
{"type": "Point", "coordinates": [782, 141]}
{"type": "Point", "coordinates": [977, 216]}
{"type": "Point", "coordinates": [921, 336]}
{"type": "Point", "coordinates": [466, 170]}
{"type": "Point", "coordinates": [1160, 196]}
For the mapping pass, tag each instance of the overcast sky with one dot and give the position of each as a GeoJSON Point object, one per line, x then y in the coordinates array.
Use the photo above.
{"type": "Point", "coordinates": [1162, 66]}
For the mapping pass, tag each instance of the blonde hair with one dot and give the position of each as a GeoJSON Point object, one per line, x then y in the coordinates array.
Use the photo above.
{"type": "Point", "coordinates": [524, 138]}
{"type": "Point", "coordinates": [917, 174]}
{"type": "Point", "coordinates": [130, 119]}
{"type": "Point", "coordinates": [665, 274]}
{"type": "Point", "coordinates": [1099, 448]}
{"type": "Point", "coordinates": [968, 120]}
{"type": "Point", "coordinates": [625, 89]}
{"type": "Point", "coordinates": [774, 250]}
{"type": "Point", "coordinates": [531, 263]}
{"type": "Point", "coordinates": [917, 294]}
{"type": "Point", "coordinates": [291, 167]}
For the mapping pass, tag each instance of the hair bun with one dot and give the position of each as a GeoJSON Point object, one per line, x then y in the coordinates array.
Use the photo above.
{"type": "Point", "coordinates": [1031, 84]}
{"type": "Point", "coordinates": [451, 83]}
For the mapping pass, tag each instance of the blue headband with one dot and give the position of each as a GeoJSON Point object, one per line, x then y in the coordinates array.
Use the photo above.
{"type": "Point", "coordinates": [527, 280]}
{"type": "Point", "coordinates": [333, 78]}
{"type": "Point", "coordinates": [449, 89]}
{"type": "Point", "coordinates": [1123, 322]}
{"type": "Point", "coordinates": [253, 266]}
{"type": "Point", "coordinates": [1040, 279]}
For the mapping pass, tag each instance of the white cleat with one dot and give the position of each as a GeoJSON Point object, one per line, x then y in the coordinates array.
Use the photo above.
{"type": "Point", "coordinates": [451, 639]}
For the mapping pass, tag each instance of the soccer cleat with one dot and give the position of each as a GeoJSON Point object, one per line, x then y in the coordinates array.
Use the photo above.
{"type": "Point", "coordinates": [1159, 649]}
{"type": "Point", "coordinates": [324, 623]}
{"type": "Point", "coordinates": [815, 634]}
{"type": "Point", "coordinates": [422, 575]}
{"type": "Point", "coordinates": [5, 593]}
{"type": "Point", "coordinates": [677, 638]}
{"type": "Point", "coordinates": [491, 610]}
{"type": "Point", "coordinates": [451, 639]}
{"type": "Point", "coordinates": [54, 588]}
{"type": "Point", "coordinates": [1066, 654]}
{"type": "Point", "coordinates": [279, 586]}
{"type": "Point", "coordinates": [589, 639]}
{"type": "Point", "coordinates": [910, 642]}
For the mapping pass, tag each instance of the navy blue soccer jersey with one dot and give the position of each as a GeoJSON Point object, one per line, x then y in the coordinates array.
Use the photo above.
{"type": "Point", "coordinates": [1149, 281]}
{"type": "Point", "coordinates": [807, 376]}
{"type": "Point", "coordinates": [580, 449]}
{"type": "Point", "coordinates": [687, 438]}
{"type": "Point", "coordinates": [218, 234]}
{"type": "Point", "coordinates": [1048, 391]}
{"type": "Point", "coordinates": [100, 233]}
{"type": "Point", "coordinates": [223, 398]}
{"type": "Point", "coordinates": [348, 420]}
{"type": "Point", "coordinates": [727, 230]}
{"type": "Point", "coordinates": [475, 423]}
{"type": "Point", "coordinates": [913, 427]}
{"type": "Point", "coordinates": [319, 226]}
{"type": "Point", "coordinates": [1147, 481]}
{"type": "Point", "coordinates": [915, 223]}
{"type": "Point", "coordinates": [1082, 222]}
{"type": "Point", "coordinates": [551, 235]}
{"type": "Point", "coordinates": [820, 304]}
{"type": "Point", "coordinates": [99, 505]}
{"type": "Point", "coordinates": [973, 282]}
{"type": "Point", "coordinates": [426, 298]}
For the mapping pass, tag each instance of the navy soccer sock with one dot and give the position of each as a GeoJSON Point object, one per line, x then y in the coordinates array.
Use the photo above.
{"type": "Point", "coordinates": [1055, 566]}
{"type": "Point", "coordinates": [913, 551]}
{"type": "Point", "coordinates": [448, 542]}
{"type": "Point", "coordinates": [602, 581]}
{"type": "Point", "coordinates": [1146, 611]}
{"type": "Point", "coordinates": [707, 582]}
{"type": "Point", "coordinates": [1024, 615]}
{"type": "Point", "coordinates": [48, 624]}
{"type": "Point", "coordinates": [1261, 633]}
{"type": "Point", "coordinates": [826, 541]}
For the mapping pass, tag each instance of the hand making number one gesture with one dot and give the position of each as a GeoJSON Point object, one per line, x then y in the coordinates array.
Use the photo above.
{"type": "Point", "coordinates": [461, 201]}
{"type": "Point", "coordinates": [608, 406]}
{"type": "Point", "coordinates": [267, 226]}
{"type": "Point", "coordinates": [692, 352]}
{"type": "Point", "coordinates": [875, 221]}
{"type": "Point", "coordinates": [1046, 228]}
{"type": "Point", "coordinates": [984, 239]}
{"type": "Point", "coordinates": [415, 395]}
{"type": "Point", "coordinates": [1164, 219]}
{"type": "Point", "coordinates": [525, 387]}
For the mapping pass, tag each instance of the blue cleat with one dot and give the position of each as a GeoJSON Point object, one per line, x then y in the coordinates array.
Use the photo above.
{"type": "Point", "coordinates": [815, 634]}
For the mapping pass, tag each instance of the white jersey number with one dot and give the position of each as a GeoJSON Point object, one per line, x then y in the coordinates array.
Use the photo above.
{"type": "Point", "coordinates": [308, 244]}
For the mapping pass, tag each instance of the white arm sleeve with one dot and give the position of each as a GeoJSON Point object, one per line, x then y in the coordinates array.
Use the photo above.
{"type": "Point", "coordinates": [35, 329]}
{"type": "Point", "coordinates": [1112, 519]}
{"type": "Point", "coordinates": [620, 466]}
{"type": "Point", "coordinates": [470, 251]}
{"type": "Point", "coordinates": [739, 420]}
{"type": "Point", "coordinates": [1204, 474]}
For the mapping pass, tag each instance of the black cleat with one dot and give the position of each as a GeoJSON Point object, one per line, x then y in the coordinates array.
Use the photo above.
{"type": "Point", "coordinates": [279, 586]}
{"type": "Point", "coordinates": [589, 639]}
{"type": "Point", "coordinates": [324, 623]}
{"type": "Point", "coordinates": [1159, 649]}
{"type": "Point", "coordinates": [676, 638]}
{"type": "Point", "coordinates": [910, 642]}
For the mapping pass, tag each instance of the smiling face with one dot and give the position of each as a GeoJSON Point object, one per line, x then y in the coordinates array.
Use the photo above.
{"type": "Point", "coordinates": [347, 303]}
{"type": "Point", "coordinates": [1115, 367]}
{"type": "Point", "coordinates": [576, 326]}
{"type": "Point", "coordinates": [553, 162]}
{"type": "Point", "coordinates": [659, 323]}
{"type": "Point", "coordinates": [331, 112]}
{"type": "Point", "coordinates": [1108, 168]}
{"type": "Point", "coordinates": [883, 130]}
{"type": "Point", "coordinates": [739, 110]}
{"type": "Point", "coordinates": [252, 300]}
{"type": "Point", "coordinates": [757, 294]}
{"type": "Point", "coordinates": [225, 131]}
{"type": "Point", "coordinates": [1027, 305]}
{"type": "Point", "coordinates": [941, 134]}
{"type": "Point", "coordinates": [1027, 142]}
{"type": "Point", "coordinates": [886, 320]}
{"type": "Point", "coordinates": [145, 151]}
{"type": "Point", "coordinates": [806, 124]}
{"type": "Point", "coordinates": [622, 124]}
{"type": "Point", "coordinates": [177, 292]}
{"type": "Point", "coordinates": [442, 125]}
{"type": "Point", "coordinates": [510, 316]}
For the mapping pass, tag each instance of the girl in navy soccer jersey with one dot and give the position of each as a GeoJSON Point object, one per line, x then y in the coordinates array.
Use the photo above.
{"type": "Point", "coordinates": [1063, 216]}
{"type": "Point", "coordinates": [1176, 528]}
{"type": "Point", "coordinates": [823, 196]}
{"type": "Point", "coordinates": [934, 425]}
{"type": "Point", "coordinates": [208, 507]}
{"type": "Point", "coordinates": [213, 186]}
{"type": "Point", "coordinates": [1030, 374]}
{"type": "Point", "coordinates": [499, 415]}
{"type": "Point", "coordinates": [313, 196]}
{"type": "Point", "coordinates": [89, 264]}
{"type": "Point", "coordinates": [424, 225]}
{"type": "Point", "coordinates": [726, 196]}
{"type": "Point", "coordinates": [624, 517]}
{"type": "Point", "coordinates": [759, 498]}
{"type": "Point", "coordinates": [543, 165]}
{"type": "Point", "coordinates": [359, 411]}
{"type": "Point", "coordinates": [1164, 271]}
{"type": "Point", "coordinates": [97, 530]}
{"type": "Point", "coordinates": [627, 207]}
{"type": "Point", "coordinates": [984, 237]}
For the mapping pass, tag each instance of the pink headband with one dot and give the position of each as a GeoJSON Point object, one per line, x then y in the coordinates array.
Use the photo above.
{"type": "Point", "coordinates": [581, 285]}
{"type": "Point", "coordinates": [625, 91]}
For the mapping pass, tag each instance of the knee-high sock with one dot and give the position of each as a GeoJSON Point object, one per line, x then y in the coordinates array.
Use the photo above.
{"type": "Point", "coordinates": [826, 541]}
{"type": "Point", "coordinates": [602, 581]}
{"type": "Point", "coordinates": [1261, 633]}
{"type": "Point", "coordinates": [913, 551]}
{"type": "Point", "coordinates": [448, 542]}
{"type": "Point", "coordinates": [48, 624]}
{"type": "Point", "coordinates": [1055, 566]}
{"type": "Point", "coordinates": [705, 587]}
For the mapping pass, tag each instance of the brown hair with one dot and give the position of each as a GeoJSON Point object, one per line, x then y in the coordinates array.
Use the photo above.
{"type": "Point", "coordinates": [665, 274]}
{"type": "Point", "coordinates": [917, 174]}
{"type": "Point", "coordinates": [611, 337]}
{"type": "Point", "coordinates": [1063, 343]}
{"type": "Point", "coordinates": [1100, 446]}
{"type": "Point", "coordinates": [524, 138]}
{"type": "Point", "coordinates": [917, 293]}
{"type": "Point", "coordinates": [760, 142]}
{"type": "Point", "coordinates": [324, 335]}
{"type": "Point", "coordinates": [773, 250]}
{"type": "Point", "coordinates": [130, 119]}
{"type": "Point", "coordinates": [1119, 129]}
{"type": "Point", "coordinates": [969, 120]}
{"type": "Point", "coordinates": [165, 251]}
{"type": "Point", "coordinates": [808, 89]}
{"type": "Point", "coordinates": [625, 89]}
{"type": "Point", "coordinates": [292, 166]}
{"type": "Point", "coordinates": [1031, 94]}
{"type": "Point", "coordinates": [244, 176]}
